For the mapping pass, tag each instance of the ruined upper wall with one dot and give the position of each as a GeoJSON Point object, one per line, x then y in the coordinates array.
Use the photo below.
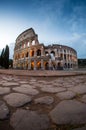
{"type": "Point", "coordinates": [27, 34]}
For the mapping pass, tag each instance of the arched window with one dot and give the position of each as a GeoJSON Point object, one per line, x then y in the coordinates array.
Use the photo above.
{"type": "Point", "coordinates": [68, 65]}
{"type": "Point", "coordinates": [28, 44]}
{"type": "Point", "coordinates": [32, 65]}
{"type": "Point", "coordinates": [31, 53]}
{"type": "Point", "coordinates": [52, 54]}
{"type": "Point", "coordinates": [46, 66]}
{"type": "Point", "coordinates": [39, 65]}
{"type": "Point", "coordinates": [38, 52]}
{"type": "Point", "coordinates": [46, 53]}
{"type": "Point", "coordinates": [33, 42]}
{"type": "Point", "coordinates": [27, 54]}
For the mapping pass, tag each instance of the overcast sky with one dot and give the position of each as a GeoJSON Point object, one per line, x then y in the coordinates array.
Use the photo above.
{"type": "Point", "coordinates": [55, 22]}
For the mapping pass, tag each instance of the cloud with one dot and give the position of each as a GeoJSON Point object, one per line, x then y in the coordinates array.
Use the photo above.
{"type": "Point", "coordinates": [78, 42]}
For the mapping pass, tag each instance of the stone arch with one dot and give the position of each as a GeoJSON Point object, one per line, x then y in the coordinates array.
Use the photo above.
{"type": "Point", "coordinates": [65, 65]}
{"type": "Point", "coordinates": [68, 65]}
{"type": "Point", "coordinates": [46, 66]}
{"type": "Point", "coordinates": [38, 65]}
{"type": "Point", "coordinates": [61, 55]}
{"type": "Point", "coordinates": [27, 54]}
{"type": "Point", "coordinates": [59, 64]}
{"type": "Point", "coordinates": [32, 65]}
{"type": "Point", "coordinates": [38, 52]}
{"type": "Point", "coordinates": [33, 42]}
{"type": "Point", "coordinates": [31, 53]}
{"type": "Point", "coordinates": [46, 53]}
{"type": "Point", "coordinates": [52, 54]}
{"type": "Point", "coordinates": [22, 55]}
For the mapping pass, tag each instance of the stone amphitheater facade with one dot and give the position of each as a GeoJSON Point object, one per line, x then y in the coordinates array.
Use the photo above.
{"type": "Point", "coordinates": [30, 54]}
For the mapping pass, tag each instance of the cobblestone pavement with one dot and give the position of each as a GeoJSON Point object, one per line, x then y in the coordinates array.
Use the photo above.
{"type": "Point", "coordinates": [42, 103]}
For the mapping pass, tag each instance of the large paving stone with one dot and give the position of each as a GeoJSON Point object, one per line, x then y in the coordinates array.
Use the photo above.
{"type": "Point", "coordinates": [27, 86]}
{"type": "Point", "coordinates": [8, 84]}
{"type": "Point", "coordinates": [80, 89]}
{"type": "Point", "coordinates": [17, 99]}
{"type": "Point", "coordinates": [27, 90]}
{"type": "Point", "coordinates": [66, 95]}
{"type": "Point", "coordinates": [29, 120]}
{"type": "Point", "coordinates": [69, 112]}
{"type": "Point", "coordinates": [23, 82]}
{"type": "Point", "coordinates": [44, 100]}
{"type": "Point", "coordinates": [4, 90]}
{"type": "Point", "coordinates": [8, 78]}
{"type": "Point", "coordinates": [53, 89]}
{"type": "Point", "coordinates": [83, 99]}
{"type": "Point", "coordinates": [4, 111]}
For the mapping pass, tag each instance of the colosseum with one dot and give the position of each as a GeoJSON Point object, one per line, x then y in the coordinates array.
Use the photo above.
{"type": "Point", "coordinates": [30, 54]}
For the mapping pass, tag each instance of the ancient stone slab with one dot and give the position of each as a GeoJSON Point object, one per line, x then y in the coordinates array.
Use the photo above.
{"type": "Point", "coordinates": [44, 100]}
{"type": "Point", "coordinates": [7, 84]}
{"type": "Point", "coordinates": [27, 86]}
{"type": "Point", "coordinates": [26, 90]}
{"type": "Point", "coordinates": [80, 89]}
{"type": "Point", "coordinates": [29, 120]}
{"type": "Point", "coordinates": [66, 95]}
{"type": "Point", "coordinates": [23, 82]}
{"type": "Point", "coordinates": [17, 99]}
{"type": "Point", "coordinates": [82, 128]}
{"type": "Point", "coordinates": [4, 111]}
{"type": "Point", "coordinates": [83, 99]}
{"type": "Point", "coordinates": [8, 78]}
{"type": "Point", "coordinates": [4, 90]}
{"type": "Point", "coordinates": [53, 89]}
{"type": "Point", "coordinates": [69, 112]}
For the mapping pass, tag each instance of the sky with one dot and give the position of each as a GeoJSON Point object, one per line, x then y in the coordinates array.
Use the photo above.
{"type": "Point", "coordinates": [55, 22]}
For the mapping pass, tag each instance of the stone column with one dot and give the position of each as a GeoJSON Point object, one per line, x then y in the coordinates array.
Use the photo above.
{"type": "Point", "coordinates": [42, 51]}
{"type": "Point", "coordinates": [42, 64]}
{"type": "Point", "coordinates": [29, 64]}
{"type": "Point", "coordinates": [35, 53]}
{"type": "Point", "coordinates": [50, 66]}
{"type": "Point", "coordinates": [35, 65]}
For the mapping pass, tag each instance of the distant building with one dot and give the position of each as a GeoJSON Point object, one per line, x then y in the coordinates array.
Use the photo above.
{"type": "Point", "coordinates": [30, 54]}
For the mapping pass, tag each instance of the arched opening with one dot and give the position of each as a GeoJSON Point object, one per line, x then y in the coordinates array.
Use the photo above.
{"type": "Point", "coordinates": [65, 56]}
{"type": "Point", "coordinates": [38, 52]}
{"type": "Point", "coordinates": [71, 65]}
{"type": "Point", "coordinates": [52, 54]}
{"type": "Point", "coordinates": [38, 65]}
{"type": "Point", "coordinates": [59, 66]}
{"type": "Point", "coordinates": [46, 66]}
{"type": "Point", "coordinates": [68, 65]}
{"type": "Point", "coordinates": [31, 53]}
{"type": "Point", "coordinates": [33, 42]}
{"type": "Point", "coordinates": [32, 65]}
{"type": "Point", "coordinates": [61, 55]}
{"type": "Point", "coordinates": [46, 53]}
{"type": "Point", "coordinates": [27, 54]}
{"type": "Point", "coordinates": [65, 65]}
{"type": "Point", "coordinates": [28, 44]}
{"type": "Point", "coordinates": [22, 55]}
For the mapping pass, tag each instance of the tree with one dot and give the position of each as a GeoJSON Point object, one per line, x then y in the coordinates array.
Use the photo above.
{"type": "Point", "coordinates": [6, 57]}
{"type": "Point", "coordinates": [10, 63]}
{"type": "Point", "coordinates": [2, 58]}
